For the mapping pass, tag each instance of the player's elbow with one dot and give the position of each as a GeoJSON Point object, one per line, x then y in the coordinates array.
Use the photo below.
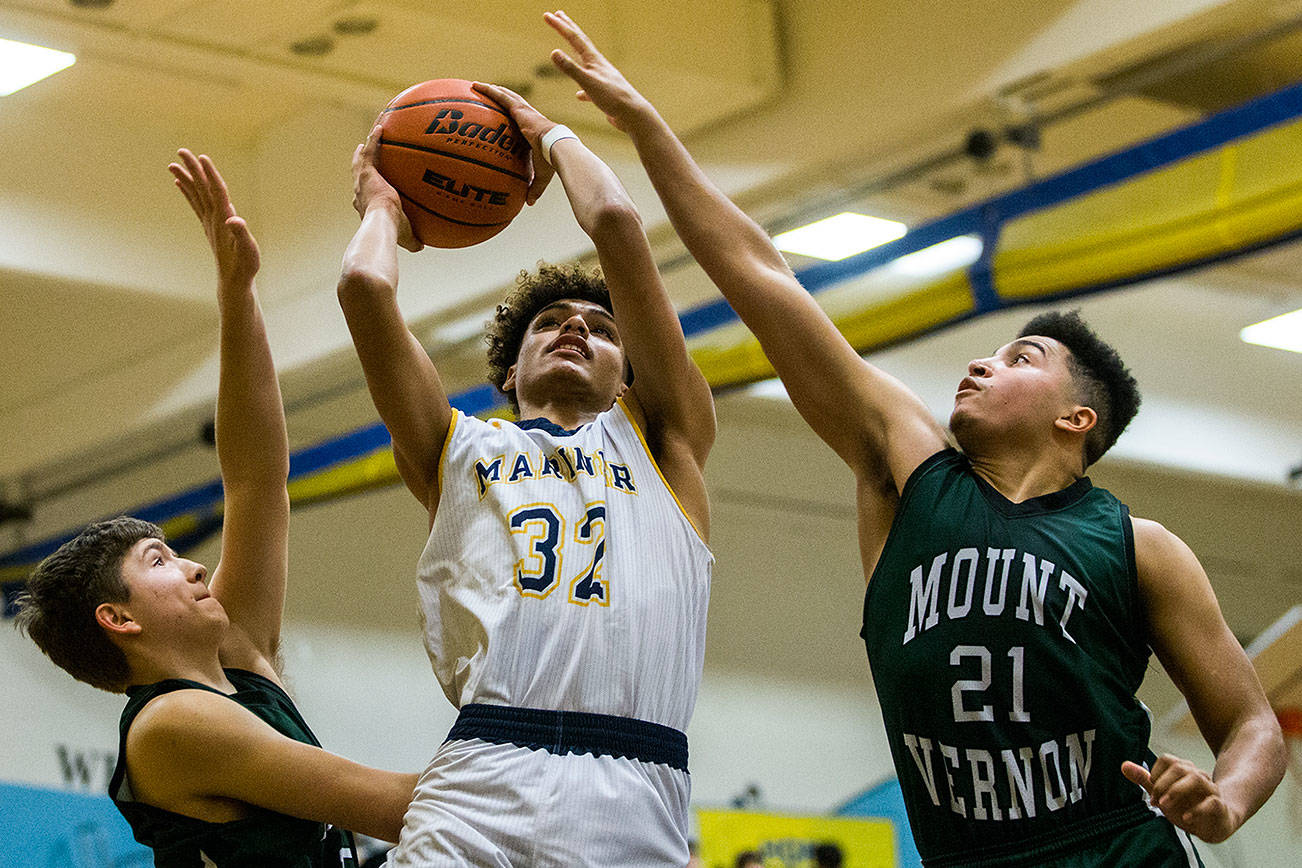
{"type": "Point", "coordinates": [614, 217]}
{"type": "Point", "coordinates": [361, 286]}
{"type": "Point", "coordinates": [1276, 751]}
{"type": "Point", "coordinates": [391, 807]}
{"type": "Point", "coordinates": [1267, 751]}
{"type": "Point", "coordinates": [257, 479]}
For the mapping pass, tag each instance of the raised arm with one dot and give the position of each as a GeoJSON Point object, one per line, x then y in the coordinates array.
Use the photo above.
{"type": "Point", "coordinates": [1190, 637]}
{"type": "Point", "coordinates": [668, 390]}
{"type": "Point", "coordinates": [402, 380]}
{"type": "Point", "coordinates": [870, 419]}
{"type": "Point", "coordinates": [252, 447]}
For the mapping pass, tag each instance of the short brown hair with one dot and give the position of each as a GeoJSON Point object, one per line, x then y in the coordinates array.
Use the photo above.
{"type": "Point", "coordinates": [533, 292]}
{"type": "Point", "coordinates": [57, 610]}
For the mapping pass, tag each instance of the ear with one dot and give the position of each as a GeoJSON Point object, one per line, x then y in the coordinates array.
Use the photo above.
{"type": "Point", "coordinates": [115, 619]}
{"type": "Point", "coordinates": [509, 383]}
{"type": "Point", "coordinates": [1078, 420]}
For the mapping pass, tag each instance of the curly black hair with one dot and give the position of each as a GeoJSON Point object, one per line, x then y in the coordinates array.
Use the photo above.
{"type": "Point", "coordinates": [57, 609]}
{"type": "Point", "coordinates": [1106, 384]}
{"type": "Point", "coordinates": [533, 292]}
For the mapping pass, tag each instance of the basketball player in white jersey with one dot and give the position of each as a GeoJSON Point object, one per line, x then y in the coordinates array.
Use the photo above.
{"type": "Point", "coordinates": [563, 588]}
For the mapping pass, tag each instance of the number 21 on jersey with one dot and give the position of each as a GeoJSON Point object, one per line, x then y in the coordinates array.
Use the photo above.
{"type": "Point", "coordinates": [963, 710]}
{"type": "Point", "coordinates": [548, 546]}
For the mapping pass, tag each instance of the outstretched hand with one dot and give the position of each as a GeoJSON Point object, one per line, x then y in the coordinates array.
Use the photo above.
{"type": "Point", "coordinates": [533, 124]}
{"type": "Point", "coordinates": [370, 187]}
{"type": "Point", "coordinates": [602, 84]}
{"type": "Point", "coordinates": [232, 244]}
{"type": "Point", "coordinates": [1187, 796]}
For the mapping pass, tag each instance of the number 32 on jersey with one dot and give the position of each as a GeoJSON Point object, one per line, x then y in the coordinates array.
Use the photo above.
{"type": "Point", "coordinates": [550, 551]}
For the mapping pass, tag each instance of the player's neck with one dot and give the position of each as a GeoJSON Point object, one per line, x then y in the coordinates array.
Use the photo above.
{"type": "Point", "coordinates": [566, 413]}
{"type": "Point", "coordinates": [1020, 475]}
{"type": "Point", "coordinates": [201, 664]}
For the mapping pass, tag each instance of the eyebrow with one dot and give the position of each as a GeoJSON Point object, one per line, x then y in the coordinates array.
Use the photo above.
{"type": "Point", "coordinates": [153, 544]}
{"type": "Point", "coordinates": [1023, 342]}
{"type": "Point", "coordinates": [586, 310]}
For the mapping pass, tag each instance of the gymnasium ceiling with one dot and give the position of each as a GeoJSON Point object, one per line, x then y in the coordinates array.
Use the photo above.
{"type": "Point", "coordinates": [798, 107]}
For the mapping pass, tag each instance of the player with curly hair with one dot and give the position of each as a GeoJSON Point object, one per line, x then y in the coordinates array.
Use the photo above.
{"type": "Point", "coordinates": [563, 588]}
{"type": "Point", "coordinates": [534, 291]}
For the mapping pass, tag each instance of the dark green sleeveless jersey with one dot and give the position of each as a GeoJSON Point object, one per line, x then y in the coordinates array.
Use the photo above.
{"type": "Point", "coordinates": [1006, 642]}
{"type": "Point", "coordinates": [265, 838]}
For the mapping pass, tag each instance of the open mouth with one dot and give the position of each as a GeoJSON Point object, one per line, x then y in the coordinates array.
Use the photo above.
{"type": "Point", "coordinates": [570, 343]}
{"type": "Point", "coordinates": [966, 385]}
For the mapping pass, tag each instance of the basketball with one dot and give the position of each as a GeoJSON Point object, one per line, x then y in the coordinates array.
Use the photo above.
{"type": "Point", "coordinates": [457, 160]}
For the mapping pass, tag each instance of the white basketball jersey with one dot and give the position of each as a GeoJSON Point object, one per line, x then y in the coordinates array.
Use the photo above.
{"type": "Point", "coordinates": [562, 573]}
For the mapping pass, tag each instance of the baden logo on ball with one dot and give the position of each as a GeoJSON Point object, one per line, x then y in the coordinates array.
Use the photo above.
{"type": "Point", "coordinates": [457, 160]}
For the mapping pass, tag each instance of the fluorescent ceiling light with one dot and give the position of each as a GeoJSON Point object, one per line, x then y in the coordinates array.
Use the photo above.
{"type": "Point", "coordinates": [461, 329]}
{"type": "Point", "coordinates": [939, 258]}
{"type": "Point", "coordinates": [22, 64]}
{"type": "Point", "coordinates": [1283, 332]}
{"type": "Point", "coordinates": [835, 238]}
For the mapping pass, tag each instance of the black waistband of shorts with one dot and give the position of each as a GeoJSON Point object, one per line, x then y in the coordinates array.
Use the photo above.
{"type": "Point", "coordinates": [562, 732]}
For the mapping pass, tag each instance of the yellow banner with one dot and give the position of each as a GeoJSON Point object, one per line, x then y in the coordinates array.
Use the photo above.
{"type": "Point", "coordinates": [784, 841]}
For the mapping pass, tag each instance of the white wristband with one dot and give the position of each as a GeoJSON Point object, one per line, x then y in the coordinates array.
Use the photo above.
{"type": "Point", "coordinates": [551, 137]}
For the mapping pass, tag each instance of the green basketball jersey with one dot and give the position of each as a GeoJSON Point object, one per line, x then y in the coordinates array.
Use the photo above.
{"type": "Point", "coordinates": [265, 839]}
{"type": "Point", "coordinates": [1006, 642]}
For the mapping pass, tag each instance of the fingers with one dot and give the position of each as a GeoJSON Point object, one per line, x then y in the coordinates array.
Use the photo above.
{"type": "Point", "coordinates": [565, 26]}
{"type": "Point", "coordinates": [1187, 796]}
{"type": "Point", "coordinates": [368, 151]}
{"type": "Point", "coordinates": [532, 123]}
{"type": "Point", "coordinates": [185, 184]}
{"type": "Point", "coordinates": [1178, 795]}
{"type": "Point", "coordinates": [503, 96]}
{"type": "Point", "coordinates": [408, 241]}
{"type": "Point", "coordinates": [542, 174]}
{"type": "Point", "coordinates": [201, 184]}
{"type": "Point", "coordinates": [1137, 774]}
{"type": "Point", "coordinates": [194, 176]}
{"type": "Point", "coordinates": [566, 64]}
{"type": "Point", "coordinates": [216, 184]}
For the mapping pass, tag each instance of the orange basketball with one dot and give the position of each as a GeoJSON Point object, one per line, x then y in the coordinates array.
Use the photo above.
{"type": "Point", "coordinates": [457, 160]}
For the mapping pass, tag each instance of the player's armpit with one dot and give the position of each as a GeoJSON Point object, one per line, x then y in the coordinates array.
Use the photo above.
{"type": "Point", "coordinates": [197, 753]}
{"type": "Point", "coordinates": [1189, 635]}
{"type": "Point", "coordinates": [681, 459]}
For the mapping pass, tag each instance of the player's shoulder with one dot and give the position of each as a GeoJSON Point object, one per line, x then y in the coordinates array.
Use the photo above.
{"type": "Point", "coordinates": [468, 427]}
{"type": "Point", "coordinates": [1160, 555]}
{"type": "Point", "coordinates": [190, 721]}
{"type": "Point", "coordinates": [172, 719]}
{"type": "Point", "coordinates": [1154, 537]}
